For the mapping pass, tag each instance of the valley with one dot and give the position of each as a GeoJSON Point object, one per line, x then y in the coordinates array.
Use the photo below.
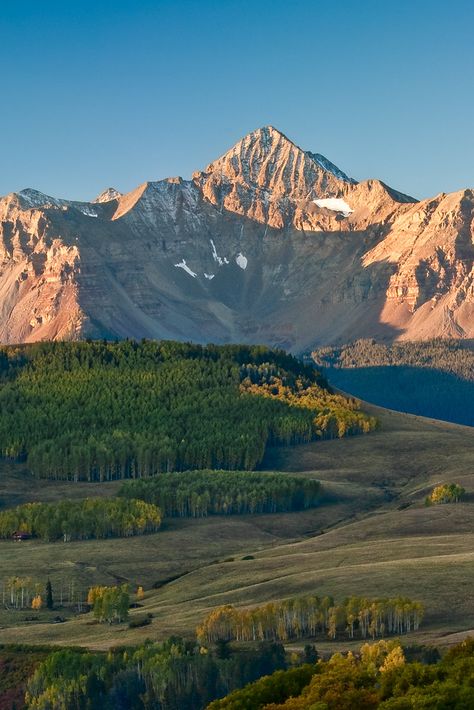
{"type": "Point", "coordinates": [372, 536]}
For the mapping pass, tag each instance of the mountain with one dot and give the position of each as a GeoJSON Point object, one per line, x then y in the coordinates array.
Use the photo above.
{"type": "Point", "coordinates": [268, 243]}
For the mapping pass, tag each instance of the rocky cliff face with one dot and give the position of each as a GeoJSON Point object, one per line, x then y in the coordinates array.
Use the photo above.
{"type": "Point", "coordinates": [269, 243]}
{"type": "Point", "coordinates": [265, 175]}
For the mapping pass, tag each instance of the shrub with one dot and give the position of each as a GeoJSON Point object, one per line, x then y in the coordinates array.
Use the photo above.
{"type": "Point", "coordinates": [139, 620]}
{"type": "Point", "coordinates": [445, 493]}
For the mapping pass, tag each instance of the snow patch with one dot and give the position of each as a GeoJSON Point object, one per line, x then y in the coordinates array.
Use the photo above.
{"type": "Point", "coordinates": [218, 259]}
{"type": "Point", "coordinates": [88, 212]}
{"type": "Point", "coordinates": [209, 276]}
{"type": "Point", "coordinates": [182, 265]}
{"type": "Point", "coordinates": [336, 204]}
{"type": "Point", "coordinates": [241, 260]}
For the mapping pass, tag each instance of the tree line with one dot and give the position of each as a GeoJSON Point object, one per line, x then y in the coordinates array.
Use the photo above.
{"type": "Point", "coordinates": [334, 416]}
{"type": "Point", "coordinates": [311, 616]}
{"type": "Point", "coordinates": [81, 520]}
{"type": "Point", "coordinates": [131, 409]}
{"type": "Point", "coordinates": [138, 508]}
{"type": "Point", "coordinates": [19, 592]}
{"type": "Point", "coordinates": [381, 675]}
{"type": "Point", "coordinates": [378, 677]}
{"type": "Point", "coordinates": [154, 676]}
{"type": "Point", "coordinates": [454, 356]}
{"type": "Point", "coordinates": [200, 493]}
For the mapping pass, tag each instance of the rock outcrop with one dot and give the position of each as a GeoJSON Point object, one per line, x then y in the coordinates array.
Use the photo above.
{"type": "Point", "coordinates": [269, 243]}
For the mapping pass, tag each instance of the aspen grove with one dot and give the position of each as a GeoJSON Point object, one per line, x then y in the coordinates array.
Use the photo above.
{"type": "Point", "coordinates": [356, 617]}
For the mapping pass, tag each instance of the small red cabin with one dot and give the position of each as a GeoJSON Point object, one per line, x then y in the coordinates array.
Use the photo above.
{"type": "Point", "coordinates": [19, 536]}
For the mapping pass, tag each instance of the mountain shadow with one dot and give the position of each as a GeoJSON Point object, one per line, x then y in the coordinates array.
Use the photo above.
{"type": "Point", "coordinates": [416, 390]}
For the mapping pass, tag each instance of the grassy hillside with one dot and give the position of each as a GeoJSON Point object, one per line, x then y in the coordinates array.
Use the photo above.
{"type": "Point", "coordinates": [373, 536]}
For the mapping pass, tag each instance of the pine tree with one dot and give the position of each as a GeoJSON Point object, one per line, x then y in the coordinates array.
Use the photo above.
{"type": "Point", "coordinates": [222, 649]}
{"type": "Point", "coordinates": [310, 654]}
{"type": "Point", "coordinates": [49, 595]}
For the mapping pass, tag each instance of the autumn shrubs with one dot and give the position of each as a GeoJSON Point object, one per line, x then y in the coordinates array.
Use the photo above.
{"type": "Point", "coordinates": [377, 678]}
{"type": "Point", "coordinates": [445, 493]}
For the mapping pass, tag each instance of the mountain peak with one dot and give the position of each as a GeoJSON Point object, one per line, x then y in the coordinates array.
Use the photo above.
{"type": "Point", "coordinates": [270, 139]}
{"type": "Point", "coordinates": [267, 138]}
{"type": "Point", "coordinates": [269, 168]}
{"type": "Point", "coordinates": [268, 132]}
{"type": "Point", "coordinates": [107, 195]}
{"type": "Point", "coordinates": [270, 242]}
{"type": "Point", "coordinates": [31, 198]}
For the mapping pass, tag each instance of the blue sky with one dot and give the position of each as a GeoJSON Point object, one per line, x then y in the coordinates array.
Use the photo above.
{"type": "Point", "coordinates": [115, 93]}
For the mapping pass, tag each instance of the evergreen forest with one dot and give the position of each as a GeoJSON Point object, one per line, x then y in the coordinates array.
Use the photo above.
{"type": "Point", "coordinates": [103, 410]}
{"type": "Point", "coordinates": [200, 493]}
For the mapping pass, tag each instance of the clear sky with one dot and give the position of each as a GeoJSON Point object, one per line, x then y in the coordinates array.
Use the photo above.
{"type": "Point", "coordinates": [99, 93]}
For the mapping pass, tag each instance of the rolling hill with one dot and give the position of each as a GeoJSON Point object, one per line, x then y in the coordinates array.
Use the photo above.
{"type": "Point", "coordinates": [372, 535]}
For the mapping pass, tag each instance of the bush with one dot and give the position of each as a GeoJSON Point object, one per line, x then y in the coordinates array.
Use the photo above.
{"type": "Point", "coordinates": [445, 493]}
{"type": "Point", "coordinates": [139, 620]}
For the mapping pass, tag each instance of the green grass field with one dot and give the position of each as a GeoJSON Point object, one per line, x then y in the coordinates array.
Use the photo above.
{"type": "Point", "coordinates": [372, 535]}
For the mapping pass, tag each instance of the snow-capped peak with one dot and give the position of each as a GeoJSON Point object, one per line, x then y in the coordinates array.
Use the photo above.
{"type": "Point", "coordinates": [35, 198]}
{"type": "Point", "coordinates": [266, 166]}
{"type": "Point", "coordinates": [107, 195]}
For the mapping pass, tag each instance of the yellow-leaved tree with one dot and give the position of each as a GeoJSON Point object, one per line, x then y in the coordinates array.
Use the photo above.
{"type": "Point", "coordinates": [36, 602]}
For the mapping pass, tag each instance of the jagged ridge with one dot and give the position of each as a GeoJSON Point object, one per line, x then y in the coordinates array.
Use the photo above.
{"type": "Point", "coordinates": [269, 243]}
